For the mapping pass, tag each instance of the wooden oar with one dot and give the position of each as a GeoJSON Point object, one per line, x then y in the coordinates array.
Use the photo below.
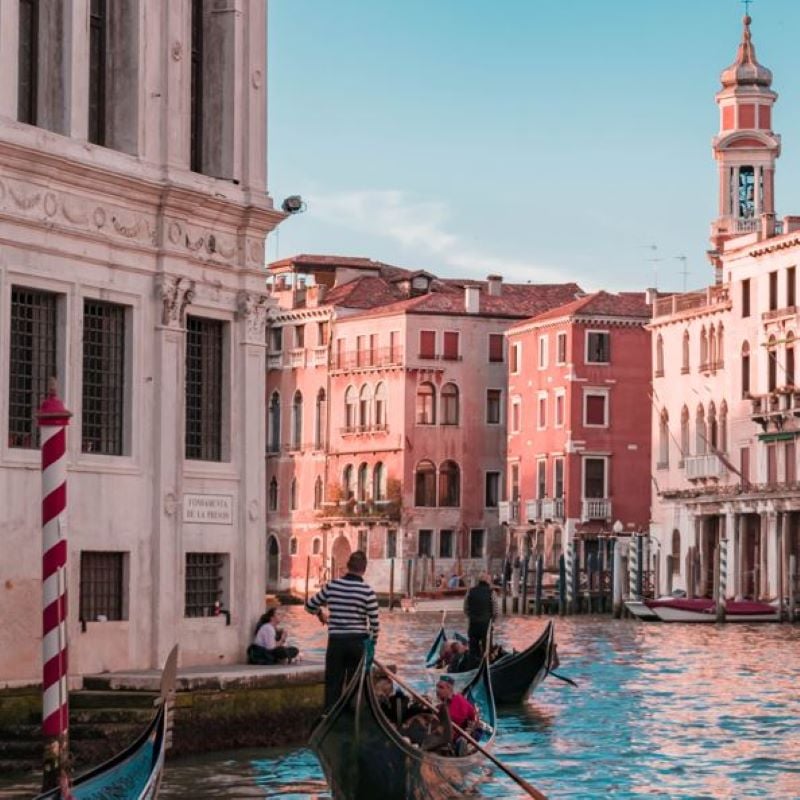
{"type": "Point", "coordinates": [535, 793]}
{"type": "Point", "coordinates": [562, 678]}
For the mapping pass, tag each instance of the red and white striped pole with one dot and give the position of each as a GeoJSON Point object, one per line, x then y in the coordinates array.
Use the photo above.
{"type": "Point", "coordinates": [53, 419]}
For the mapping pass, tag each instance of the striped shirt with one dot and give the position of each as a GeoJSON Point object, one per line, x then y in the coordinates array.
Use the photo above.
{"type": "Point", "coordinates": [352, 605]}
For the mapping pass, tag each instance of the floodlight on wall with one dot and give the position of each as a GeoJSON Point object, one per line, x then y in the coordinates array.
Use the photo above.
{"type": "Point", "coordinates": [293, 204]}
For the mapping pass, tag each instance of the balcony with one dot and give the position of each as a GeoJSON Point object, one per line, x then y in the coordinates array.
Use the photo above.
{"type": "Point", "coordinates": [360, 509]}
{"type": "Point", "coordinates": [595, 508]}
{"type": "Point", "coordinates": [274, 360]}
{"type": "Point", "coordinates": [552, 508]}
{"type": "Point", "coordinates": [368, 359]}
{"type": "Point", "coordinates": [776, 410]}
{"type": "Point", "coordinates": [704, 467]}
{"type": "Point", "coordinates": [508, 511]}
{"type": "Point", "coordinates": [297, 358]}
{"type": "Point", "coordinates": [712, 298]}
{"type": "Point", "coordinates": [352, 430]}
{"type": "Point", "coordinates": [319, 356]}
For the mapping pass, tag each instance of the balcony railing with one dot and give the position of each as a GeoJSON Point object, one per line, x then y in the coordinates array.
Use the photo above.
{"type": "Point", "coordinates": [704, 467]}
{"type": "Point", "coordinates": [750, 225]}
{"type": "Point", "coordinates": [365, 359]}
{"type": "Point", "coordinates": [713, 296]}
{"type": "Point", "coordinates": [596, 508]}
{"type": "Point", "coordinates": [360, 509]}
{"type": "Point", "coordinates": [297, 358]}
{"type": "Point", "coordinates": [274, 360]}
{"type": "Point", "coordinates": [349, 430]}
{"type": "Point", "coordinates": [508, 511]}
{"type": "Point", "coordinates": [319, 356]}
{"type": "Point", "coordinates": [778, 409]}
{"type": "Point", "coordinates": [552, 508]}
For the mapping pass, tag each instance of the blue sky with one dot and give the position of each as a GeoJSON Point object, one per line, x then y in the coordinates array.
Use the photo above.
{"type": "Point", "coordinates": [546, 141]}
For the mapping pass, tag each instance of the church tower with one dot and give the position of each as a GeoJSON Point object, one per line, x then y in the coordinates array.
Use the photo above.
{"type": "Point", "coordinates": [745, 147]}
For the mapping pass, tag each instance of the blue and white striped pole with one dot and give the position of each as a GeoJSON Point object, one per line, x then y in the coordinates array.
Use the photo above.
{"type": "Point", "coordinates": [633, 566]}
{"type": "Point", "coordinates": [570, 585]}
{"type": "Point", "coordinates": [722, 589]}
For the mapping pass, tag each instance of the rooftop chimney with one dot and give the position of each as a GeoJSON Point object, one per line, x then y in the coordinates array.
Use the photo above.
{"type": "Point", "coordinates": [472, 299]}
{"type": "Point", "coordinates": [495, 285]}
{"type": "Point", "coordinates": [650, 296]}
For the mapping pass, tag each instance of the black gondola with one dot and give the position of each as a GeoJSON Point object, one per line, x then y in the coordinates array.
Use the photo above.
{"type": "Point", "coordinates": [363, 754]}
{"type": "Point", "coordinates": [135, 773]}
{"type": "Point", "coordinates": [515, 675]}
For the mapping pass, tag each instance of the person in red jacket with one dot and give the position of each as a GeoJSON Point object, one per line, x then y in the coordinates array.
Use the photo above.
{"type": "Point", "coordinates": [461, 711]}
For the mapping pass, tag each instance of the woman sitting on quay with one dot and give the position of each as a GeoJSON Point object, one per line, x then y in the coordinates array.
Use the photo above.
{"type": "Point", "coordinates": [269, 645]}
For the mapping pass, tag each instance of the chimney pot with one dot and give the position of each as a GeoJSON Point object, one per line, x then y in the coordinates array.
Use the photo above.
{"type": "Point", "coordinates": [472, 299]}
{"type": "Point", "coordinates": [495, 285]}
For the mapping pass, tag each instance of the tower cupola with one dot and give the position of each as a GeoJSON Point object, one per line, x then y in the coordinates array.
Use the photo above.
{"type": "Point", "coordinates": [746, 148]}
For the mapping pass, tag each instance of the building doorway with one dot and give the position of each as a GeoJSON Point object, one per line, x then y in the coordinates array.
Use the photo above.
{"type": "Point", "coordinates": [340, 553]}
{"type": "Point", "coordinates": [273, 562]}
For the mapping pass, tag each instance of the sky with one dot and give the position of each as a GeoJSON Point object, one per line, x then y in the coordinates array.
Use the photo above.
{"type": "Point", "coordinates": [565, 140]}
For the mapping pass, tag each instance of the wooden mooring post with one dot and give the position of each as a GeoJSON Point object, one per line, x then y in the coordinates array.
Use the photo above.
{"type": "Point", "coordinates": [792, 587]}
{"type": "Point", "coordinates": [391, 584]}
{"type": "Point", "coordinates": [539, 580]}
{"type": "Point", "coordinates": [524, 594]}
{"type": "Point", "coordinates": [616, 580]}
{"type": "Point", "coordinates": [308, 574]}
{"type": "Point", "coordinates": [504, 585]}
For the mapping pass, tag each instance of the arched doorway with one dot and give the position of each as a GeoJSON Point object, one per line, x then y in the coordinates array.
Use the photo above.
{"type": "Point", "coordinates": [339, 555]}
{"type": "Point", "coordinates": [273, 562]}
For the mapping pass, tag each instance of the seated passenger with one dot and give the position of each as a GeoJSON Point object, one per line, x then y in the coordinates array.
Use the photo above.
{"type": "Point", "coordinates": [461, 712]}
{"type": "Point", "coordinates": [269, 645]}
{"type": "Point", "coordinates": [454, 582]}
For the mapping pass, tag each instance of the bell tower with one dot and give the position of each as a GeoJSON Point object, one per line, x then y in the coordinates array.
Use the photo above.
{"type": "Point", "coordinates": [745, 148]}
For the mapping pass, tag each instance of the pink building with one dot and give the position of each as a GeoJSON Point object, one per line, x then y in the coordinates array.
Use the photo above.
{"type": "Point", "coordinates": [386, 419]}
{"type": "Point", "coordinates": [578, 432]}
{"type": "Point", "coordinates": [725, 419]}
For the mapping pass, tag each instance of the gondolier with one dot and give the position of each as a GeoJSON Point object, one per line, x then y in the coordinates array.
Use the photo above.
{"type": "Point", "coordinates": [352, 616]}
{"type": "Point", "coordinates": [480, 607]}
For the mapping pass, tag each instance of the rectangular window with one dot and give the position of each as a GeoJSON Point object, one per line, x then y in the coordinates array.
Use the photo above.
{"type": "Point", "coordinates": [103, 406]}
{"type": "Point", "coordinates": [746, 297]}
{"type": "Point", "coordinates": [493, 404]}
{"type": "Point", "coordinates": [363, 540]}
{"type": "Point", "coordinates": [789, 377]}
{"type": "Point", "coordinates": [516, 415]}
{"type": "Point", "coordinates": [598, 347]}
{"type": "Point", "coordinates": [744, 465]}
{"type": "Point", "coordinates": [204, 379]}
{"type": "Point", "coordinates": [791, 286]}
{"type": "Point", "coordinates": [772, 463]}
{"type": "Point", "coordinates": [492, 494]}
{"type": "Point", "coordinates": [745, 375]}
{"type": "Point", "coordinates": [561, 348]}
{"type": "Point", "coordinates": [594, 485]}
{"type": "Point", "coordinates": [450, 345]}
{"type": "Point", "coordinates": [425, 543]}
{"type": "Point", "coordinates": [276, 340]}
{"type": "Point", "coordinates": [322, 333]}
{"type": "Point", "coordinates": [542, 352]}
{"type": "Point", "coordinates": [541, 421]}
{"type": "Point", "coordinates": [595, 409]}
{"type": "Point", "coordinates": [340, 353]}
{"type": "Point", "coordinates": [516, 357]}
{"type": "Point", "coordinates": [391, 544]}
{"type": "Point", "coordinates": [427, 344]}
{"type": "Point", "coordinates": [98, 51]}
{"type": "Point", "coordinates": [102, 586]}
{"type": "Point", "coordinates": [789, 462]}
{"type": "Point", "coordinates": [445, 544]}
{"type": "Point", "coordinates": [28, 61]}
{"type": "Point", "coordinates": [204, 583]}
{"type": "Point", "coordinates": [559, 421]}
{"type": "Point", "coordinates": [773, 290]}
{"type": "Point", "coordinates": [558, 478]}
{"type": "Point", "coordinates": [477, 543]}
{"type": "Point", "coordinates": [496, 347]}
{"type": "Point", "coordinates": [373, 349]}
{"type": "Point", "coordinates": [196, 91]}
{"type": "Point", "coordinates": [32, 361]}
{"type": "Point", "coordinates": [394, 347]}
{"type": "Point", "coordinates": [361, 351]}
{"type": "Point", "coordinates": [541, 478]}
{"type": "Point", "coordinates": [299, 336]}
{"type": "Point", "coordinates": [514, 493]}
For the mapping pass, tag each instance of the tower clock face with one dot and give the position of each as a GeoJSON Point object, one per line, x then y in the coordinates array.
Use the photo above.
{"type": "Point", "coordinates": [747, 196]}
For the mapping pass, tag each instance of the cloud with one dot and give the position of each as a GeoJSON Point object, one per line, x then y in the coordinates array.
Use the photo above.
{"type": "Point", "coordinates": [420, 226]}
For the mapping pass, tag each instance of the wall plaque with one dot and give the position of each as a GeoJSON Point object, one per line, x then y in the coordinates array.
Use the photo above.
{"type": "Point", "coordinates": [211, 509]}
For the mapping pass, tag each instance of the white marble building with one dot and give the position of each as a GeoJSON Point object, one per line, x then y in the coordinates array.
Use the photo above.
{"type": "Point", "coordinates": [133, 213]}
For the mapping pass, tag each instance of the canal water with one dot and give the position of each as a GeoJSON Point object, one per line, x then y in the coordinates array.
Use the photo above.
{"type": "Point", "coordinates": [661, 711]}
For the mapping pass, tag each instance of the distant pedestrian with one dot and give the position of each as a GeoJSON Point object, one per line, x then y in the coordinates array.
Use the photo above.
{"type": "Point", "coordinates": [269, 644]}
{"type": "Point", "coordinates": [480, 606]}
{"type": "Point", "coordinates": [351, 618]}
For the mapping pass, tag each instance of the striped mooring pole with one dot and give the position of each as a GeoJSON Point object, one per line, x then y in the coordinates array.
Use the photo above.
{"type": "Point", "coordinates": [53, 419]}
{"type": "Point", "coordinates": [633, 566]}
{"type": "Point", "coordinates": [570, 564]}
{"type": "Point", "coordinates": [722, 589]}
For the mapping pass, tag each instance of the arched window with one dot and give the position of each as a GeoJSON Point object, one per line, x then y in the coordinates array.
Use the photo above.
{"type": "Point", "coordinates": [676, 552]}
{"type": "Point", "coordinates": [720, 351]}
{"type": "Point", "coordinates": [700, 431]}
{"type": "Point", "coordinates": [685, 361]}
{"type": "Point", "coordinates": [722, 434]}
{"type": "Point", "coordinates": [320, 414]}
{"type": "Point", "coordinates": [426, 404]}
{"type": "Point", "coordinates": [316, 546]}
{"type": "Point", "coordinates": [293, 546]}
{"type": "Point", "coordinates": [293, 495]}
{"type": "Point", "coordinates": [348, 482]}
{"type": "Point", "coordinates": [273, 495]}
{"type": "Point", "coordinates": [363, 483]}
{"type": "Point", "coordinates": [713, 433]}
{"type": "Point", "coordinates": [274, 441]}
{"type": "Point", "coordinates": [318, 492]}
{"type": "Point", "coordinates": [380, 406]}
{"type": "Point", "coordinates": [789, 372]}
{"type": "Point", "coordinates": [703, 349]}
{"type": "Point", "coordinates": [745, 369]}
{"type": "Point", "coordinates": [685, 451]}
{"type": "Point", "coordinates": [663, 440]}
{"type": "Point", "coordinates": [712, 348]}
{"type": "Point", "coordinates": [425, 484]}
{"type": "Point", "coordinates": [449, 396]}
{"type": "Point", "coordinates": [297, 420]}
{"type": "Point", "coordinates": [659, 356]}
{"type": "Point", "coordinates": [364, 406]}
{"type": "Point", "coordinates": [379, 481]}
{"type": "Point", "coordinates": [772, 364]}
{"type": "Point", "coordinates": [449, 484]}
{"type": "Point", "coordinates": [350, 409]}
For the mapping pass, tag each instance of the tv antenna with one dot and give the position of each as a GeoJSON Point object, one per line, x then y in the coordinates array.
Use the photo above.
{"type": "Point", "coordinates": [655, 260]}
{"type": "Point", "coordinates": [685, 271]}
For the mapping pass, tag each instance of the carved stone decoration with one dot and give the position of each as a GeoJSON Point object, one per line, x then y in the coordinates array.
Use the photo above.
{"type": "Point", "coordinates": [225, 247]}
{"type": "Point", "coordinates": [174, 232]}
{"type": "Point", "coordinates": [76, 214]}
{"type": "Point", "coordinates": [177, 51]}
{"type": "Point", "coordinates": [175, 293]}
{"type": "Point", "coordinates": [2, 191]}
{"type": "Point", "coordinates": [257, 78]}
{"type": "Point", "coordinates": [253, 310]}
{"type": "Point", "coordinates": [130, 229]}
{"type": "Point", "coordinates": [170, 504]}
{"type": "Point", "coordinates": [99, 217]}
{"type": "Point", "coordinates": [256, 251]}
{"type": "Point", "coordinates": [24, 201]}
{"type": "Point", "coordinates": [195, 245]}
{"type": "Point", "coordinates": [253, 510]}
{"type": "Point", "coordinates": [50, 204]}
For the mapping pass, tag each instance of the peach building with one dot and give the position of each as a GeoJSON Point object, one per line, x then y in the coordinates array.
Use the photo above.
{"type": "Point", "coordinates": [386, 419]}
{"type": "Point", "coordinates": [578, 425]}
{"type": "Point", "coordinates": [725, 416]}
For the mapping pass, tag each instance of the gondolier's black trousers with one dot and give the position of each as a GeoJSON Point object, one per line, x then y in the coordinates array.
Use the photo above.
{"type": "Point", "coordinates": [477, 633]}
{"type": "Point", "coordinates": [341, 660]}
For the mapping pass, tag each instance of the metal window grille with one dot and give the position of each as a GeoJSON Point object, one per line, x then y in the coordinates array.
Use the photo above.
{"type": "Point", "coordinates": [32, 361]}
{"type": "Point", "coordinates": [101, 585]}
{"type": "Point", "coordinates": [98, 24]}
{"type": "Point", "coordinates": [27, 75]}
{"type": "Point", "coordinates": [203, 583]}
{"type": "Point", "coordinates": [204, 389]}
{"type": "Point", "coordinates": [103, 405]}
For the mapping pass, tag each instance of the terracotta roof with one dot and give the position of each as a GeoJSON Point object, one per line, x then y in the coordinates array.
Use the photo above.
{"type": "Point", "coordinates": [310, 260]}
{"type": "Point", "coordinates": [601, 304]}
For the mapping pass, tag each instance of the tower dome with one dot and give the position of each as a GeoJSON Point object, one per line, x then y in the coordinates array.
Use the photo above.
{"type": "Point", "coordinates": [745, 70]}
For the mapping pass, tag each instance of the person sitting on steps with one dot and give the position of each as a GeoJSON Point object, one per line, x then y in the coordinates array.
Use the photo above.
{"type": "Point", "coordinates": [269, 645]}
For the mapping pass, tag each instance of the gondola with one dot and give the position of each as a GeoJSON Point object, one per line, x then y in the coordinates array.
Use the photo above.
{"type": "Point", "coordinates": [515, 675]}
{"type": "Point", "coordinates": [363, 754]}
{"type": "Point", "coordinates": [135, 773]}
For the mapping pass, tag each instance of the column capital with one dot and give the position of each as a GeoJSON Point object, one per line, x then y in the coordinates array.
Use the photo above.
{"type": "Point", "coordinates": [175, 293]}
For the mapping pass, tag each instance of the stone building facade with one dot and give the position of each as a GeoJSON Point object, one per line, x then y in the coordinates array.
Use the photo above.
{"type": "Point", "coordinates": [133, 213]}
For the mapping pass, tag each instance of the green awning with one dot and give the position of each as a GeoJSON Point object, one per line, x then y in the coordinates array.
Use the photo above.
{"type": "Point", "coordinates": [777, 437]}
